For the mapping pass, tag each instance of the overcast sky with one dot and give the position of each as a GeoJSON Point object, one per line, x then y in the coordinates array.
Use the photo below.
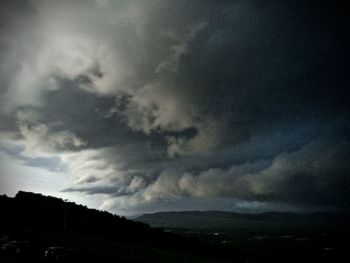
{"type": "Point", "coordinates": [142, 106]}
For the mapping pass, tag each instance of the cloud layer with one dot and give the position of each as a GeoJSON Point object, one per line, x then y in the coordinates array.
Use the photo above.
{"type": "Point", "coordinates": [150, 102]}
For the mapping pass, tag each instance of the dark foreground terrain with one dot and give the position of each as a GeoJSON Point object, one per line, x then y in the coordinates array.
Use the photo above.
{"type": "Point", "coordinates": [36, 228]}
{"type": "Point", "coordinates": [267, 237]}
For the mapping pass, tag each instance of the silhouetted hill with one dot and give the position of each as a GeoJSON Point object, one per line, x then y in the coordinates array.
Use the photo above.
{"type": "Point", "coordinates": [44, 213]}
{"type": "Point", "coordinates": [40, 221]}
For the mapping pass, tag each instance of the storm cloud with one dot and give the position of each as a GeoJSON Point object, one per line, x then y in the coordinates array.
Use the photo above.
{"type": "Point", "coordinates": [149, 102]}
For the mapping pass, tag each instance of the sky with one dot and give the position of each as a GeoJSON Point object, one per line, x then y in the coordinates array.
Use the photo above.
{"type": "Point", "coordinates": [144, 106]}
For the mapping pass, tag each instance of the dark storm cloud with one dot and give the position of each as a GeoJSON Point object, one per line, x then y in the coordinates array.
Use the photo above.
{"type": "Point", "coordinates": [314, 175]}
{"type": "Point", "coordinates": [147, 100]}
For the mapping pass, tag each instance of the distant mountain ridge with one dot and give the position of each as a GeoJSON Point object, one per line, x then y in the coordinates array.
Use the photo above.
{"type": "Point", "coordinates": [223, 219]}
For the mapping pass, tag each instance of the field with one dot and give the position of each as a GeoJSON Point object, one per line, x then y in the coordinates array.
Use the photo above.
{"type": "Point", "coordinates": [269, 237]}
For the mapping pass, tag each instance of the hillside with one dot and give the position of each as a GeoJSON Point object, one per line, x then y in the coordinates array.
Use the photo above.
{"type": "Point", "coordinates": [36, 227]}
